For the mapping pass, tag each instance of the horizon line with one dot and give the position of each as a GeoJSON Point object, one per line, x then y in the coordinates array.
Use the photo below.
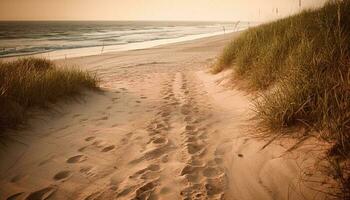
{"type": "Point", "coordinates": [146, 20]}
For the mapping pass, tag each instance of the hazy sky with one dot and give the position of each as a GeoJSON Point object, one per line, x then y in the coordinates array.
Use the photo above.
{"type": "Point", "coordinates": [192, 10]}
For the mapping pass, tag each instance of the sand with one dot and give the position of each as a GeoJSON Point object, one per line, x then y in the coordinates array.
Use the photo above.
{"type": "Point", "coordinates": [162, 128]}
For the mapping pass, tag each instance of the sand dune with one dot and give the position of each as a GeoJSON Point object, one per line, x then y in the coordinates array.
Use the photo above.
{"type": "Point", "coordinates": [162, 128]}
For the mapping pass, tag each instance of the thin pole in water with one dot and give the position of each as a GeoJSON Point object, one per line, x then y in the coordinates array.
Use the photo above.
{"type": "Point", "coordinates": [103, 46]}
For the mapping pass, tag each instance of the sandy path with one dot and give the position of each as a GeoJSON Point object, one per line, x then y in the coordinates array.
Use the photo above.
{"type": "Point", "coordinates": [162, 129]}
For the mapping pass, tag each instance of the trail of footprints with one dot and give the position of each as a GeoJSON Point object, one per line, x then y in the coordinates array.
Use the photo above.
{"type": "Point", "coordinates": [88, 171]}
{"type": "Point", "coordinates": [202, 179]}
{"type": "Point", "coordinates": [143, 183]}
{"type": "Point", "coordinates": [64, 175]}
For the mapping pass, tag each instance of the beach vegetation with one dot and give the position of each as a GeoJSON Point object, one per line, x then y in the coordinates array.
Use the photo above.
{"type": "Point", "coordinates": [33, 82]}
{"type": "Point", "coordinates": [300, 66]}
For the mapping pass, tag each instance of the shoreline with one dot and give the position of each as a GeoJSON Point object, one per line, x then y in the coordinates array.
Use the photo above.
{"type": "Point", "coordinates": [99, 50]}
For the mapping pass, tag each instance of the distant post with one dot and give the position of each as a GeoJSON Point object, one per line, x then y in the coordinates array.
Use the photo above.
{"type": "Point", "coordinates": [236, 26]}
{"type": "Point", "coordinates": [103, 46]}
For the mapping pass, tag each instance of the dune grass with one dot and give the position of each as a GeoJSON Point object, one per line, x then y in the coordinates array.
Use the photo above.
{"type": "Point", "coordinates": [32, 82]}
{"type": "Point", "coordinates": [301, 65]}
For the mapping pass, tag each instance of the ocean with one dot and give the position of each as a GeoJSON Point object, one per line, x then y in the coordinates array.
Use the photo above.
{"type": "Point", "coordinates": [62, 39]}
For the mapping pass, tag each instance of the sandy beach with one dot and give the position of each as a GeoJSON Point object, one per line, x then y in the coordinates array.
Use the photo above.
{"type": "Point", "coordinates": [161, 128]}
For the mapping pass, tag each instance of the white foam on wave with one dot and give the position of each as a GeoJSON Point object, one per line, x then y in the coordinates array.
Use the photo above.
{"type": "Point", "coordinates": [90, 51]}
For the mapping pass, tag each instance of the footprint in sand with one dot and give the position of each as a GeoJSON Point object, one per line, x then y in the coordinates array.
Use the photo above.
{"type": "Point", "coordinates": [17, 178]}
{"type": "Point", "coordinates": [98, 143]}
{"type": "Point", "coordinates": [188, 169]}
{"type": "Point", "coordinates": [190, 139]}
{"type": "Point", "coordinates": [159, 141]}
{"type": "Point", "coordinates": [194, 191]}
{"type": "Point", "coordinates": [84, 120]}
{"type": "Point", "coordinates": [189, 128]}
{"type": "Point", "coordinates": [109, 148]}
{"type": "Point", "coordinates": [166, 97]}
{"type": "Point", "coordinates": [145, 191]}
{"type": "Point", "coordinates": [218, 160]}
{"type": "Point", "coordinates": [187, 118]}
{"type": "Point", "coordinates": [75, 116]}
{"type": "Point", "coordinates": [42, 194]}
{"type": "Point", "coordinates": [145, 171]}
{"type": "Point", "coordinates": [15, 196]}
{"type": "Point", "coordinates": [165, 114]}
{"type": "Point", "coordinates": [193, 148]}
{"type": "Point", "coordinates": [153, 167]}
{"type": "Point", "coordinates": [89, 138]}
{"type": "Point", "coordinates": [103, 118]}
{"type": "Point", "coordinates": [210, 172]}
{"type": "Point", "coordinates": [76, 159]}
{"type": "Point", "coordinates": [212, 189]}
{"type": "Point", "coordinates": [82, 149]}
{"type": "Point", "coordinates": [61, 176]}
{"type": "Point", "coordinates": [124, 141]}
{"type": "Point", "coordinates": [152, 153]}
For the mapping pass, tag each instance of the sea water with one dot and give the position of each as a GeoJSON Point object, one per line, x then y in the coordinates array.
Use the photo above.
{"type": "Point", "coordinates": [62, 39]}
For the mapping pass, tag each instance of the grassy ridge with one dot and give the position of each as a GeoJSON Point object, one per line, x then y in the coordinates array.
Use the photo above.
{"type": "Point", "coordinates": [302, 66]}
{"type": "Point", "coordinates": [31, 82]}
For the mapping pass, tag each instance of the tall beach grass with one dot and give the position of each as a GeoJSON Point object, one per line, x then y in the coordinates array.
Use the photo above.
{"type": "Point", "coordinates": [33, 82]}
{"type": "Point", "coordinates": [301, 66]}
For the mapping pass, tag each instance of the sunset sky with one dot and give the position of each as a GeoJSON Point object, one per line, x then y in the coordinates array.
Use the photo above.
{"type": "Point", "coordinates": [191, 10]}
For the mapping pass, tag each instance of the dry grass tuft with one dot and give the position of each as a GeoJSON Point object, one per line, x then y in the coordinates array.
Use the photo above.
{"type": "Point", "coordinates": [33, 82]}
